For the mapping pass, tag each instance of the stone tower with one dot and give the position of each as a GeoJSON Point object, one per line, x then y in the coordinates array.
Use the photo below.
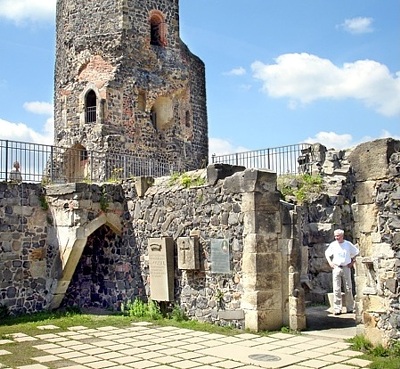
{"type": "Point", "coordinates": [127, 86]}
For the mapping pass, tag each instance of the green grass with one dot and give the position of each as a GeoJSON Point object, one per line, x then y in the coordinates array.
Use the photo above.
{"type": "Point", "coordinates": [381, 357]}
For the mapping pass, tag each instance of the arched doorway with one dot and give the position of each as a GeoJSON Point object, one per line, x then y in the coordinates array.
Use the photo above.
{"type": "Point", "coordinates": [102, 277]}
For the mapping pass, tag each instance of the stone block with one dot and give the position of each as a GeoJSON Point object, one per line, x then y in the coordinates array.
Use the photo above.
{"type": "Point", "coordinates": [365, 192]}
{"type": "Point", "coordinates": [374, 304]}
{"type": "Point", "coordinates": [367, 218]}
{"type": "Point", "coordinates": [261, 243]}
{"type": "Point", "coordinates": [369, 160]}
{"type": "Point", "coordinates": [263, 300]}
{"type": "Point", "coordinates": [161, 266]}
{"type": "Point", "coordinates": [320, 232]}
{"type": "Point", "coordinates": [261, 281]}
{"type": "Point", "coordinates": [257, 321]}
{"type": "Point", "coordinates": [261, 223]}
{"type": "Point", "coordinates": [221, 171]}
{"type": "Point", "coordinates": [261, 202]}
{"type": "Point", "coordinates": [63, 189]}
{"type": "Point", "coordinates": [231, 314]}
{"type": "Point", "coordinates": [255, 180]}
{"type": "Point", "coordinates": [382, 250]}
{"type": "Point", "coordinates": [270, 262]}
{"type": "Point", "coordinates": [188, 253]}
{"type": "Point", "coordinates": [142, 184]}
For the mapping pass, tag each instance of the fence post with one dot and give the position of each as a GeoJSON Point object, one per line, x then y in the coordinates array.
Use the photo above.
{"type": "Point", "coordinates": [6, 160]}
{"type": "Point", "coordinates": [51, 163]}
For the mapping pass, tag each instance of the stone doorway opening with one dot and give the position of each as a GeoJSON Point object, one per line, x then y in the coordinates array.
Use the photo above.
{"type": "Point", "coordinates": [99, 279]}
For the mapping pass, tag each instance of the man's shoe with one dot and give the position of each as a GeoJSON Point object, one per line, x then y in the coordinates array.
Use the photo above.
{"type": "Point", "coordinates": [337, 312]}
{"type": "Point", "coordinates": [350, 311]}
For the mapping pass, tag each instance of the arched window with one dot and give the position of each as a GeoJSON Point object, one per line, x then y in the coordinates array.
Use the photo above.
{"type": "Point", "coordinates": [90, 107]}
{"type": "Point", "coordinates": [153, 117]}
{"type": "Point", "coordinates": [187, 118]}
{"type": "Point", "coordinates": [157, 29]}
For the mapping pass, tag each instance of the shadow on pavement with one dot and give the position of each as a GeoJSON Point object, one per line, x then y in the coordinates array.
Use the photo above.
{"type": "Point", "coordinates": [320, 318]}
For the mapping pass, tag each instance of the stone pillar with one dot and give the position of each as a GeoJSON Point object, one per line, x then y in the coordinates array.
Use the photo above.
{"type": "Point", "coordinates": [262, 257]}
{"type": "Point", "coordinates": [376, 230]}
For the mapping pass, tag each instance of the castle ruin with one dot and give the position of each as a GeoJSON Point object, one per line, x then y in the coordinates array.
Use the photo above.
{"type": "Point", "coordinates": [126, 84]}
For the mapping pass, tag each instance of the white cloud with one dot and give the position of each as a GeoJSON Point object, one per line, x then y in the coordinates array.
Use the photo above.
{"type": "Point", "coordinates": [332, 140]}
{"type": "Point", "coordinates": [21, 132]}
{"type": "Point", "coordinates": [344, 141]}
{"type": "Point", "coordinates": [358, 25]}
{"type": "Point", "coordinates": [305, 78]}
{"type": "Point", "coordinates": [28, 11]}
{"type": "Point", "coordinates": [240, 71]}
{"type": "Point", "coordinates": [219, 146]}
{"type": "Point", "coordinates": [38, 107]}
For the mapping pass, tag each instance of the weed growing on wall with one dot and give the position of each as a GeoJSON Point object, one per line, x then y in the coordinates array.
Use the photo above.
{"type": "Point", "coordinates": [186, 180]}
{"type": "Point", "coordinates": [43, 202]}
{"type": "Point", "coordinates": [104, 203]}
{"type": "Point", "coordinates": [300, 188]}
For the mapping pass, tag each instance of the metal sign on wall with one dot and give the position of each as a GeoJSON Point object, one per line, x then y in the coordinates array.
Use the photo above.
{"type": "Point", "coordinates": [220, 256]}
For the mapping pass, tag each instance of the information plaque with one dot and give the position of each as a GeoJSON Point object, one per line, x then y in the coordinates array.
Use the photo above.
{"type": "Point", "coordinates": [220, 256]}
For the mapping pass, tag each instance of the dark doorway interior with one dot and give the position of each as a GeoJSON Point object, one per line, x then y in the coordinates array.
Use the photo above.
{"type": "Point", "coordinates": [97, 278]}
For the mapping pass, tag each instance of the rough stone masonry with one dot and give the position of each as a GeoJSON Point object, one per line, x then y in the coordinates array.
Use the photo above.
{"type": "Point", "coordinates": [87, 244]}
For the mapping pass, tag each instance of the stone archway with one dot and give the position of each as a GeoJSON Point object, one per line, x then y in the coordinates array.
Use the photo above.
{"type": "Point", "coordinates": [100, 278]}
{"type": "Point", "coordinates": [72, 242]}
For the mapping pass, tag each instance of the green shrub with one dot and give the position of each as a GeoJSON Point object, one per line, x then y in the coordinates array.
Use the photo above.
{"type": "Point", "coordinates": [178, 314]}
{"type": "Point", "coordinates": [300, 187]}
{"type": "Point", "coordinates": [139, 309]}
{"type": "Point", "coordinates": [186, 180]}
{"type": "Point", "coordinates": [360, 343]}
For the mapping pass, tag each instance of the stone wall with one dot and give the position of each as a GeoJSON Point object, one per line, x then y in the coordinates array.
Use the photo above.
{"type": "Point", "coordinates": [361, 197]}
{"type": "Point", "coordinates": [96, 250]}
{"type": "Point", "coordinates": [23, 248]}
{"type": "Point", "coordinates": [376, 168]}
{"type": "Point", "coordinates": [89, 248]}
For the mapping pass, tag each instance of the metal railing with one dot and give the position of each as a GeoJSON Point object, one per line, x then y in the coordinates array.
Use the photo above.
{"type": "Point", "coordinates": [291, 159]}
{"type": "Point", "coordinates": [90, 114]}
{"type": "Point", "coordinates": [53, 164]}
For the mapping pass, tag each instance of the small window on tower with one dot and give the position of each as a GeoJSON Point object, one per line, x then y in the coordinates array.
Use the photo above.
{"type": "Point", "coordinates": [141, 104]}
{"type": "Point", "coordinates": [90, 107]}
{"type": "Point", "coordinates": [157, 29]}
{"type": "Point", "coordinates": [153, 117]}
{"type": "Point", "coordinates": [187, 119]}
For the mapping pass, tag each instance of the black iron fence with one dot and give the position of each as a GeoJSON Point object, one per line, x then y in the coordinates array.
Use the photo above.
{"type": "Point", "coordinates": [53, 164]}
{"type": "Point", "coordinates": [291, 159]}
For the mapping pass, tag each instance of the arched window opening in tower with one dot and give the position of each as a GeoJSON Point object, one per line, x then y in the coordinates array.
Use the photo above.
{"type": "Point", "coordinates": [157, 29]}
{"type": "Point", "coordinates": [187, 119]}
{"type": "Point", "coordinates": [153, 117]}
{"type": "Point", "coordinates": [90, 107]}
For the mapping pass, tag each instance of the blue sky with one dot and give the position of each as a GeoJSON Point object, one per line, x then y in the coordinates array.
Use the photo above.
{"type": "Point", "coordinates": [278, 72]}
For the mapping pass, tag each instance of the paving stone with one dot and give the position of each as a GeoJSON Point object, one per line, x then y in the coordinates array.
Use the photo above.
{"type": "Point", "coordinates": [77, 328]}
{"type": "Point", "coordinates": [314, 363]}
{"type": "Point", "coordinates": [4, 352]}
{"type": "Point", "coordinates": [358, 362]}
{"type": "Point", "coordinates": [4, 342]}
{"type": "Point", "coordinates": [46, 358]}
{"type": "Point", "coordinates": [350, 353]}
{"type": "Point", "coordinates": [101, 364]}
{"type": "Point", "coordinates": [33, 366]}
{"type": "Point", "coordinates": [47, 327]}
{"type": "Point", "coordinates": [85, 359]}
{"type": "Point", "coordinates": [109, 355]}
{"type": "Point", "coordinates": [228, 364]}
{"type": "Point", "coordinates": [144, 364]}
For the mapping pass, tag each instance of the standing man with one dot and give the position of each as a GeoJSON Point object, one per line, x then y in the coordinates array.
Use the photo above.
{"type": "Point", "coordinates": [15, 174]}
{"type": "Point", "coordinates": [341, 257]}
